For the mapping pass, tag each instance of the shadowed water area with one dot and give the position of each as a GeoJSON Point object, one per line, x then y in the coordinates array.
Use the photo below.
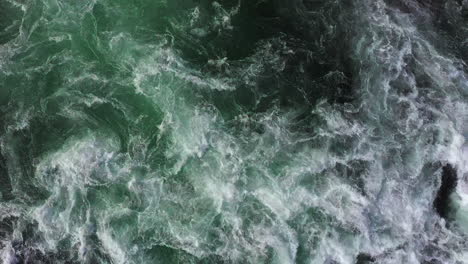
{"type": "Point", "coordinates": [236, 131]}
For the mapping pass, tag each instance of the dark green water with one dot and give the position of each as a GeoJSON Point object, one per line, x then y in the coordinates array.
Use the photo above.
{"type": "Point", "coordinates": [249, 131]}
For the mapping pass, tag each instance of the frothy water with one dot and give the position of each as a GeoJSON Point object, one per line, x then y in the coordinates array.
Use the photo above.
{"type": "Point", "coordinates": [233, 131]}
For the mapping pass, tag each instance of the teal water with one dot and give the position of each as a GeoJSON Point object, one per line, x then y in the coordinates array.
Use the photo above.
{"type": "Point", "coordinates": [196, 131]}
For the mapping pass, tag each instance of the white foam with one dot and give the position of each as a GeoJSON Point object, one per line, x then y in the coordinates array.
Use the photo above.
{"type": "Point", "coordinates": [112, 247]}
{"type": "Point", "coordinates": [67, 174]}
{"type": "Point", "coordinates": [8, 255]}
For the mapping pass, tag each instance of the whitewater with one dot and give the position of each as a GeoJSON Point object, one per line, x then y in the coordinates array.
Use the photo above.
{"type": "Point", "coordinates": [234, 131]}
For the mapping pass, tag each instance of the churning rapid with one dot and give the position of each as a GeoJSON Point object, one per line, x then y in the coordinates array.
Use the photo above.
{"type": "Point", "coordinates": [233, 131]}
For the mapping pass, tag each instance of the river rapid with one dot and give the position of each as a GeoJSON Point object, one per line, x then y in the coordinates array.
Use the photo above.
{"type": "Point", "coordinates": [234, 131]}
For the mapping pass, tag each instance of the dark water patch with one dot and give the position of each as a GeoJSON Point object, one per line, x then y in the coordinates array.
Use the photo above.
{"type": "Point", "coordinates": [230, 29]}
{"type": "Point", "coordinates": [319, 65]}
{"type": "Point", "coordinates": [6, 189]}
{"type": "Point", "coordinates": [308, 62]}
{"type": "Point", "coordinates": [10, 21]}
{"type": "Point", "coordinates": [448, 183]}
{"type": "Point", "coordinates": [364, 258]}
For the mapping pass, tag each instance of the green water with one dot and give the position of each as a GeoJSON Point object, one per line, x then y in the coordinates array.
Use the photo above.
{"type": "Point", "coordinates": [178, 131]}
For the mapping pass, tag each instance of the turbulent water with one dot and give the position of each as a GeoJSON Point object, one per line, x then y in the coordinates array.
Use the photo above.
{"type": "Point", "coordinates": [237, 131]}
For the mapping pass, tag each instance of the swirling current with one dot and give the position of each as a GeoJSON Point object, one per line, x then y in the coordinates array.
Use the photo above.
{"type": "Point", "coordinates": [234, 131]}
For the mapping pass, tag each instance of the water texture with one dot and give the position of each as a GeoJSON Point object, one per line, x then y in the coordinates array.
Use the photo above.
{"type": "Point", "coordinates": [236, 131]}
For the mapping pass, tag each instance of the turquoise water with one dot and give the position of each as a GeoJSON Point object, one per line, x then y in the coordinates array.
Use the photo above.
{"type": "Point", "coordinates": [178, 131]}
